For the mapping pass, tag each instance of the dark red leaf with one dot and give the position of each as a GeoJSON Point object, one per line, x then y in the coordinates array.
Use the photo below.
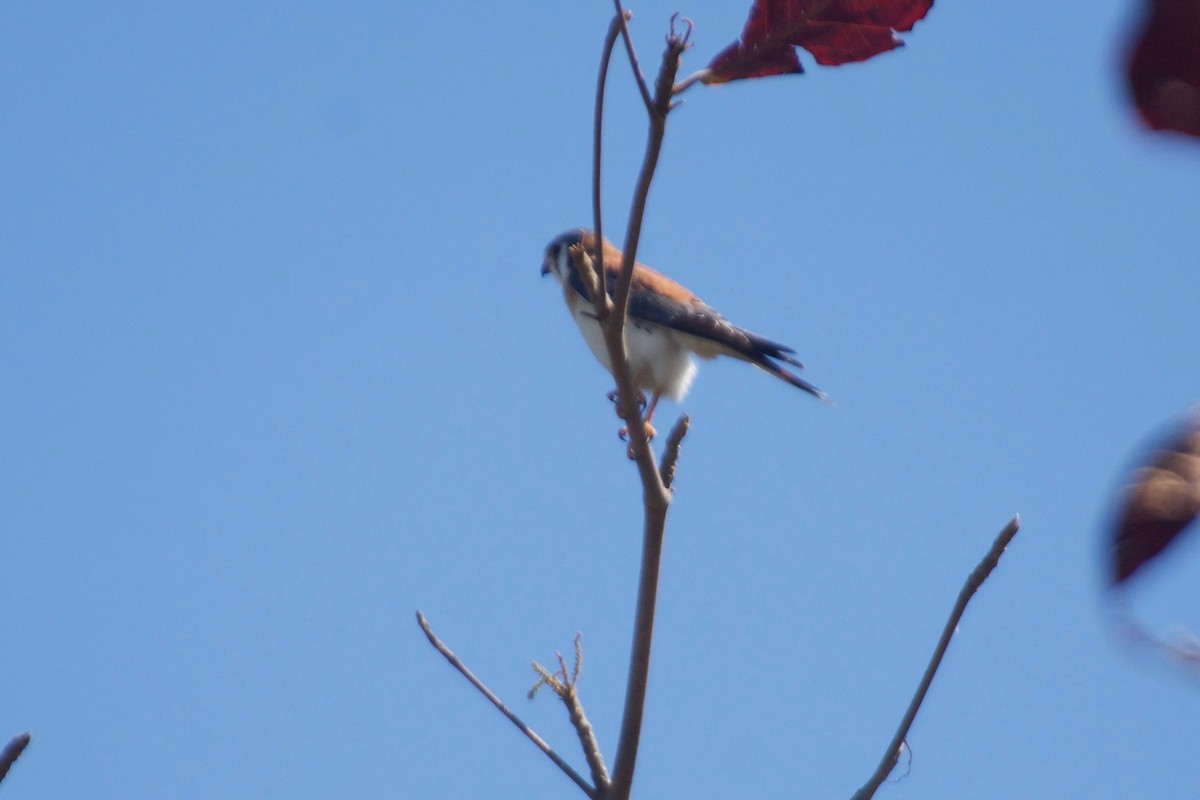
{"type": "Point", "coordinates": [833, 43]}
{"type": "Point", "coordinates": [899, 15]}
{"type": "Point", "coordinates": [738, 61]}
{"type": "Point", "coordinates": [834, 31]}
{"type": "Point", "coordinates": [1164, 66]}
{"type": "Point", "coordinates": [1163, 500]}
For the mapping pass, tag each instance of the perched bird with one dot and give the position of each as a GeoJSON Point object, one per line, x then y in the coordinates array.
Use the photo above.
{"type": "Point", "coordinates": [665, 326]}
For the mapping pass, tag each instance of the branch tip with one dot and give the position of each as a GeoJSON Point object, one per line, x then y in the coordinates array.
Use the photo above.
{"type": "Point", "coordinates": [900, 741]}
{"type": "Point", "coordinates": [640, 79]}
{"type": "Point", "coordinates": [671, 449]}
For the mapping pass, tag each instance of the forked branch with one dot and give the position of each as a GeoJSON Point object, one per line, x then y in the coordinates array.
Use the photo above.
{"type": "Point", "coordinates": [513, 718]}
{"type": "Point", "coordinates": [656, 496]}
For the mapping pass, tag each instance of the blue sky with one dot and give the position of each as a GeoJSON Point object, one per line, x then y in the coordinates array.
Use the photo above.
{"type": "Point", "coordinates": [278, 369]}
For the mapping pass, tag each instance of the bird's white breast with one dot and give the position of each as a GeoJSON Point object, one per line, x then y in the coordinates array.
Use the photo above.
{"type": "Point", "coordinates": [658, 360]}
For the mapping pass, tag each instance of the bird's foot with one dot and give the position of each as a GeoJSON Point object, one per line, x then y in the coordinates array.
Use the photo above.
{"type": "Point", "coordinates": [624, 436]}
{"type": "Point", "coordinates": [614, 397]}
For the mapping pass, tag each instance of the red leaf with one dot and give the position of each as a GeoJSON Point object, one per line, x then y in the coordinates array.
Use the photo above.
{"type": "Point", "coordinates": [1164, 66]}
{"type": "Point", "coordinates": [1162, 502]}
{"type": "Point", "coordinates": [753, 61]}
{"type": "Point", "coordinates": [833, 43]}
{"type": "Point", "coordinates": [834, 31]}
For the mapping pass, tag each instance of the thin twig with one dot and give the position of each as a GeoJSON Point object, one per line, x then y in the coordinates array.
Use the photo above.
{"type": "Point", "coordinates": [587, 740]}
{"type": "Point", "coordinates": [600, 293]}
{"type": "Point", "coordinates": [624, 17]}
{"type": "Point", "coordinates": [513, 718]}
{"type": "Point", "coordinates": [659, 109]}
{"type": "Point", "coordinates": [566, 685]}
{"type": "Point", "coordinates": [11, 752]}
{"type": "Point", "coordinates": [671, 450]}
{"type": "Point", "coordinates": [974, 581]}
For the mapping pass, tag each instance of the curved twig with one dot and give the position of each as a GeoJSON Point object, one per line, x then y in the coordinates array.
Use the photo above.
{"type": "Point", "coordinates": [624, 17]}
{"type": "Point", "coordinates": [974, 581]}
{"type": "Point", "coordinates": [600, 293]}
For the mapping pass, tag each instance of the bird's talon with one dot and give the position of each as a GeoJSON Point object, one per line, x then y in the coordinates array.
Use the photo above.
{"type": "Point", "coordinates": [623, 435]}
{"type": "Point", "coordinates": [614, 397]}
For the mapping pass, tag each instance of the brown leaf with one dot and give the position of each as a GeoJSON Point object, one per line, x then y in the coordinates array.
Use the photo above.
{"type": "Point", "coordinates": [1162, 501]}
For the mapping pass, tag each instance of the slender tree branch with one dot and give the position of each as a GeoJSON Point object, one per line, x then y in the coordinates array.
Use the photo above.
{"type": "Point", "coordinates": [11, 752]}
{"type": "Point", "coordinates": [639, 659]}
{"type": "Point", "coordinates": [587, 740]}
{"type": "Point", "coordinates": [671, 450]}
{"type": "Point", "coordinates": [633, 61]}
{"type": "Point", "coordinates": [513, 718]}
{"type": "Point", "coordinates": [654, 493]}
{"type": "Point", "coordinates": [600, 291]}
{"type": "Point", "coordinates": [655, 496]}
{"type": "Point", "coordinates": [974, 581]}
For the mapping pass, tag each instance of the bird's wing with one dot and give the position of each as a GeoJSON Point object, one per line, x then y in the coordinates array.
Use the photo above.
{"type": "Point", "coordinates": [657, 299]}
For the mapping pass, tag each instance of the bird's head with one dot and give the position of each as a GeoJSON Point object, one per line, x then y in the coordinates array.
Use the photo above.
{"type": "Point", "coordinates": [557, 260]}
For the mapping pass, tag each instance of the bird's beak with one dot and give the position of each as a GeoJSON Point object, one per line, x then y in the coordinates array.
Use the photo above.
{"type": "Point", "coordinates": [545, 267]}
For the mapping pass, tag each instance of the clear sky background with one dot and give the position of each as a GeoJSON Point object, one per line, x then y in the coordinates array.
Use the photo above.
{"type": "Point", "coordinates": [277, 368]}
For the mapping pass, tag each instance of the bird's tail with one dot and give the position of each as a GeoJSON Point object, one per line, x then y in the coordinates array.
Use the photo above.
{"type": "Point", "coordinates": [770, 366]}
{"type": "Point", "coordinates": [765, 350]}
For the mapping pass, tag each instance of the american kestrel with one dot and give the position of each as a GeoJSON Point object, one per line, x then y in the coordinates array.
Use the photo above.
{"type": "Point", "coordinates": [665, 326]}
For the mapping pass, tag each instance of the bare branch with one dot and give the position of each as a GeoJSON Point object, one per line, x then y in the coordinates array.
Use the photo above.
{"type": "Point", "coordinates": [11, 752]}
{"type": "Point", "coordinates": [513, 718]}
{"type": "Point", "coordinates": [661, 106]}
{"type": "Point", "coordinates": [654, 493]}
{"type": "Point", "coordinates": [578, 659]}
{"type": "Point", "coordinates": [565, 685]}
{"type": "Point", "coordinates": [597, 288]}
{"type": "Point", "coordinates": [639, 657]}
{"type": "Point", "coordinates": [974, 581]}
{"type": "Point", "coordinates": [624, 17]}
{"type": "Point", "coordinates": [655, 496]}
{"type": "Point", "coordinates": [671, 450]}
{"type": "Point", "coordinates": [587, 740]}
